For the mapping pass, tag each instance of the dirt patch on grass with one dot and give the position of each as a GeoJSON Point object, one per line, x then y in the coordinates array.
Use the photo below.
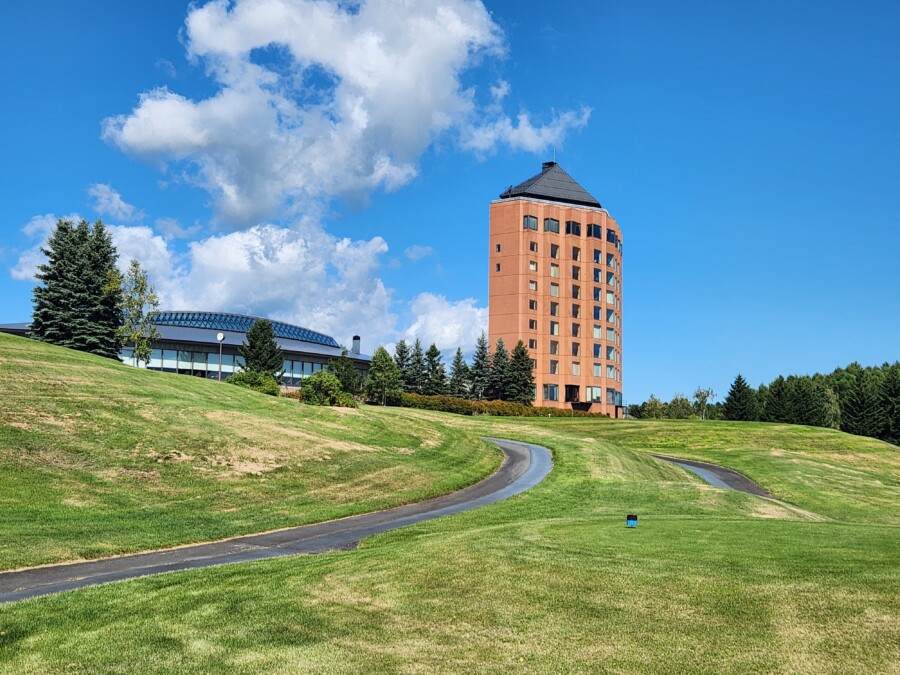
{"type": "Point", "coordinates": [389, 480]}
{"type": "Point", "coordinates": [242, 466]}
{"type": "Point", "coordinates": [767, 508]}
{"type": "Point", "coordinates": [137, 474]}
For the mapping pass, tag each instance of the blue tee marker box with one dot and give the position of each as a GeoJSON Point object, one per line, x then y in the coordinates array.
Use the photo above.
{"type": "Point", "coordinates": [631, 521]}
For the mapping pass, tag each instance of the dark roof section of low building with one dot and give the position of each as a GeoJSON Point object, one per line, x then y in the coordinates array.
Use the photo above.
{"type": "Point", "coordinates": [555, 185]}
{"type": "Point", "coordinates": [239, 323]}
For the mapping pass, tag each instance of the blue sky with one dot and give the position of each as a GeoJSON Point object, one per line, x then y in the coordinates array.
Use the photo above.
{"type": "Point", "coordinates": [751, 155]}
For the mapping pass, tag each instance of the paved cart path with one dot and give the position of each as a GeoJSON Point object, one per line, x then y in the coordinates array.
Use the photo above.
{"type": "Point", "coordinates": [524, 466]}
{"type": "Point", "coordinates": [719, 476]}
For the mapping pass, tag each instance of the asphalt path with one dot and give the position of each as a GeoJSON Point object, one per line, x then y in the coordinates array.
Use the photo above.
{"type": "Point", "coordinates": [719, 476]}
{"type": "Point", "coordinates": [524, 466]}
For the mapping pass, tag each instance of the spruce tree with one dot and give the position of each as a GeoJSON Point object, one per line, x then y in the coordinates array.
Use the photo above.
{"type": "Point", "coordinates": [774, 406]}
{"type": "Point", "coordinates": [459, 376]}
{"type": "Point", "coordinates": [498, 380]}
{"type": "Point", "coordinates": [260, 352]}
{"type": "Point", "coordinates": [861, 413]}
{"type": "Point", "coordinates": [402, 359]}
{"type": "Point", "coordinates": [417, 373]}
{"type": "Point", "coordinates": [890, 403]}
{"type": "Point", "coordinates": [78, 303]}
{"type": "Point", "coordinates": [384, 384]}
{"type": "Point", "coordinates": [139, 304]}
{"type": "Point", "coordinates": [521, 377]}
{"type": "Point", "coordinates": [435, 376]}
{"type": "Point", "coordinates": [480, 371]}
{"type": "Point", "coordinates": [740, 404]}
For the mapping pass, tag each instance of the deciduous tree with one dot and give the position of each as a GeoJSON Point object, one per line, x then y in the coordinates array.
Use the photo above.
{"type": "Point", "coordinates": [384, 383]}
{"type": "Point", "coordinates": [139, 304]}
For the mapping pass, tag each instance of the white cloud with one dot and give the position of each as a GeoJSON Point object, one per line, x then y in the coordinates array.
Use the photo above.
{"type": "Point", "coordinates": [319, 98]}
{"type": "Point", "coordinates": [446, 323]}
{"type": "Point", "coordinates": [417, 252]}
{"type": "Point", "coordinates": [108, 202]}
{"type": "Point", "coordinates": [171, 228]}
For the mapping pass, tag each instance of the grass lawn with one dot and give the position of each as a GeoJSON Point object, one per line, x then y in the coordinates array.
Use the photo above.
{"type": "Point", "coordinates": [549, 581]}
{"type": "Point", "coordinates": [98, 458]}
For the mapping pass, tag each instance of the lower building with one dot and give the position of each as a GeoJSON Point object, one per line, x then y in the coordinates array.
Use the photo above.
{"type": "Point", "coordinates": [205, 344]}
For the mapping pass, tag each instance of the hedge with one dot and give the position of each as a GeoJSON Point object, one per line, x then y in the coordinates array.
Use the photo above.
{"type": "Point", "coordinates": [462, 406]}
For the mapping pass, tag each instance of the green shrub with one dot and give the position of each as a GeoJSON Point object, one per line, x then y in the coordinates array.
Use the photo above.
{"type": "Point", "coordinates": [296, 394]}
{"type": "Point", "coordinates": [462, 406]}
{"type": "Point", "coordinates": [324, 388]}
{"type": "Point", "coordinates": [265, 384]}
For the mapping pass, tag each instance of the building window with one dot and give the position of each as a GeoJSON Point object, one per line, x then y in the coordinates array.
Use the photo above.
{"type": "Point", "coordinates": [576, 368]}
{"type": "Point", "coordinates": [551, 225]}
{"type": "Point", "coordinates": [612, 354]}
{"type": "Point", "coordinates": [554, 251]}
{"type": "Point", "coordinates": [611, 261]}
{"type": "Point", "coordinates": [554, 367]}
{"type": "Point", "coordinates": [576, 272]}
{"type": "Point", "coordinates": [593, 394]}
{"type": "Point", "coordinates": [554, 270]}
{"type": "Point", "coordinates": [598, 332]}
{"type": "Point", "coordinates": [532, 246]}
{"type": "Point", "coordinates": [598, 370]}
{"type": "Point", "coordinates": [576, 349]}
{"type": "Point", "coordinates": [572, 393]}
{"type": "Point", "coordinates": [498, 248]}
{"type": "Point", "coordinates": [554, 347]}
{"type": "Point", "coordinates": [576, 329]}
{"type": "Point", "coordinates": [611, 317]}
{"type": "Point", "coordinates": [532, 344]}
{"type": "Point", "coordinates": [573, 228]}
{"type": "Point", "coordinates": [554, 309]}
{"type": "Point", "coordinates": [532, 324]}
{"type": "Point", "coordinates": [554, 328]}
{"type": "Point", "coordinates": [532, 305]}
{"type": "Point", "coordinates": [611, 336]}
{"type": "Point", "coordinates": [498, 267]}
{"type": "Point", "coordinates": [610, 298]}
{"type": "Point", "coordinates": [576, 311]}
{"type": "Point", "coordinates": [576, 254]}
{"type": "Point", "coordinates": [576, 292]}
{"type": "Point", "coordinates": [532, 265]}
{"type": "Point", "coordinates": [551, 392]}
{"type": "Point", "coordinates": [554, 290]}
{"type": "Point", "coordinates": [595, 231]}
{"type": "Point", "coordinates": [529, 223]}
{"type": "Point", "coordinates": [598, 295]}
{"type": "Point", "coordinates": [598, 351]}
{"type": "Point", "coordinates": [598, 260]}
{"type": "Point", "coordinates": [598, 316]}
{"type": "Point", "coordinates": [532, 285]}
{"type": "Point", "coordinates": [611, 373]}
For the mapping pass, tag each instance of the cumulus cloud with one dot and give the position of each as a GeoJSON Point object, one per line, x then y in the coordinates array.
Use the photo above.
{"type": "Point", "coordinates": [108, 202]}
{"type": "Point", "coordinates": [417, 252]}
{"type": "Point", "coordinates": [171, 228]}
{"type": "Point", "coordinates": [446, 323]}
{"type": "Point", "coordinates": [300, 274]}
{"type": "Point", "coordinates": [320, 98]}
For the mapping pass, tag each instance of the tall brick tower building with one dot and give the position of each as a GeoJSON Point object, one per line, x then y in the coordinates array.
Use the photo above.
{"type": "Point", "coordinates": [556, 284]}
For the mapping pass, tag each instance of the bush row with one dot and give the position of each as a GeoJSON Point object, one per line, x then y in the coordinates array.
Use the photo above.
{"type": "Point", "coordinates": [462, 406]}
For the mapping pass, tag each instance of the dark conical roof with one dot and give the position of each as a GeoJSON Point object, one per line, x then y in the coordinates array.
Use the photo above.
{"type": "Point", "coordinates": [555, 185]}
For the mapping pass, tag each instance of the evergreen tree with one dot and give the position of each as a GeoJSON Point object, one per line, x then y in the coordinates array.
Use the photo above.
{"type": "Point", "coordinates": [260, 352]}
{"type": "Point", "coordinates": [435, 377]}
{"type": "Point", "coordinates": [890, 403]}
{"type": "Point", "coordinates": [521, 376]}
{"type": "Point", "coordinates": [862, 412]}
{"type": "Point", "coordinates": [774, 407]}
{"type": "Point", "coordinates": [830, 416]}
{"type": "Point", "coordinates": [498, 380]}
{"type": "Point", "coordinates": [402, 359]}
{"type": "Point", "coordinates": [459, 376]}
{"type": "Point", "coordinates": [139, 304]}
{"type": "Point", "coordinates": [384, 384]}
{"type": "Point", "coordinates": [78, 303]}
{"type": "Point", "coordinates": [740, 404]}
{"type": "Point", "coordinates": [417, 372]}
{"type": "Point", "coordinates": [480, 372]}
{"type": "Point", "coordinates": [345, 370]}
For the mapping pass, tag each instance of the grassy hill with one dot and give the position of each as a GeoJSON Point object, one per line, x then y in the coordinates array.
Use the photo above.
{"type": "Point", "coordinates": [99, 458]}
{"type": "Point", "coordinates": [549, 581]}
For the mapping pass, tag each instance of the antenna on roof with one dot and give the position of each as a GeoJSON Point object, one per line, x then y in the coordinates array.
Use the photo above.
{"type": "Point", "coordinates": [554, 154]}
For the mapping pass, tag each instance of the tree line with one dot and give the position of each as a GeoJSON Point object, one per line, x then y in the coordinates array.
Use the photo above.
{"type": "Point", "coordinates": [83, 302]}
{"type": "Point", "coordinates": [858, 400]}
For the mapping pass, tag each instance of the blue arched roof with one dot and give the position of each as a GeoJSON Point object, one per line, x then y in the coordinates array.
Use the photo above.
{"type": "Point", "coordinates": [241, 324]}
